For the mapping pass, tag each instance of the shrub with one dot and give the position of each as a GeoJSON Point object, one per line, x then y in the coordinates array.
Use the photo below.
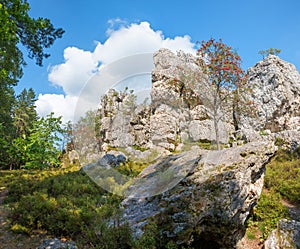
{"type": "Point", "coordinates": [283, 175]}
{"type": "Point", "coordinates": [268, 212]}
{"type": "Point", "coordinates": [64, 203]}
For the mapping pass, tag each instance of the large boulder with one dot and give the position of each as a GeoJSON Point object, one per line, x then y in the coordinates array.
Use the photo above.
{"type": "Point", "coordinates": [208, 207]}
{"type": "Point", "coordinates": [286, 236]}
{"type": "Point", "coordinates": [275, 86]}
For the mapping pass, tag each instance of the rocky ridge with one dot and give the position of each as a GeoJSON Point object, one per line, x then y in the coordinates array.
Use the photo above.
{"type": "Point", "coordinates": [221, 187]}
{"type": "Point", "coordinates": [173, 118]}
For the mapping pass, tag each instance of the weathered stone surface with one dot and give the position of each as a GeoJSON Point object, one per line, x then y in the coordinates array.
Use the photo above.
{"type": "Point", "coordinates": [172, 118]}
{"type": "Point", "coordinates": [57, 244]}
{"type": "Point", "coordinates": [180, 118]}
{"type": "Point", "coordinates": [286, 236]}
{"type": "Point", "coordinates": [291, 137]}
{"type": "Point", "coordinates": [210, 205]}
{"type": "Point", "coordinates": [200, 130]}
{"type": "Point", "coordinates": [123, 122]}
{"type": "Point", "coordinates": [275, 88]}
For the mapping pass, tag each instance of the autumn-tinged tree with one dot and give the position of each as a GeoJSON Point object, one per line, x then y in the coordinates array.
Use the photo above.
{"type": "Point", "coordinates": [222, 65]}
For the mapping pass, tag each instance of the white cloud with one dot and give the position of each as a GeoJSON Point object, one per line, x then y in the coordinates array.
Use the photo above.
{"type": "Point", "coordinates": [138, 38]}
{"type": "Point", "coordinates": [115, 24]}
{"type": "Point", "coordinates": [59, 104]}
{"type": "Point", "coordinates": [78, 68]}
{"type": "Point", "coordinates": [80, 65]}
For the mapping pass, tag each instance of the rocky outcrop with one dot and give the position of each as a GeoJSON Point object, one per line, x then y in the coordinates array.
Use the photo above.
{"type": "Point", "coordinates": [275, 86]}
{"type": "Point", "coordinates": [176, 113]}
{"type": "Point", "coordinates": [286, 236]}
{"type": "Point", "coordinates": [207, 208]}
{"type": "Point", "coordinates": [182, 115]}
{"type": "Point", "coordinates": [122, 122]}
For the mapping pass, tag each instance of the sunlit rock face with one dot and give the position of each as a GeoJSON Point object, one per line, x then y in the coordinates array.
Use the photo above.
{"type": "Point", "coordinates": [287, 235]}
{"type": "Point", "coordinates": [275, 86]}
{"type": "Point", "coordinates": [174, 115]}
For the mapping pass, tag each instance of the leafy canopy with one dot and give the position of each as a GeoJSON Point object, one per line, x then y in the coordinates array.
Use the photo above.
{"type": "Point", "coordinates": [16, 28]}
{"type": "Point", "coordinates": [222, 64]}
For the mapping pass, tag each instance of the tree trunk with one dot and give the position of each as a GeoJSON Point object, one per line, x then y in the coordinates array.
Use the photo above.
{"type": "Point", "coordinates": [216, 119]}
{"type": "Point", "coordinates": [216, 124]}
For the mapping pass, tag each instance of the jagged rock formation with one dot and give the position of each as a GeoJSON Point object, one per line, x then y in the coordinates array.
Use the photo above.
{"type": "Point", "coordinates": [173, 116]}
{"type": "Point", "coordinates": [181, 117]}
{"type": "Point", "coordinates": [209, 207]}
{"type": "Point", "coordinates": [287, 235]}
{"type": "Point", "coordinates": [123, 122]}
{"type": "Point", "coordinates": [275, 88]}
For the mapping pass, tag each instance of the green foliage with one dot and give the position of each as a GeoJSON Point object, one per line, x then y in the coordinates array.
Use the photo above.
{"type": "Point", "coordinates": [24, 113]}
{"type": "Point", "coordinates": [132, 168]}
{"type": "Point", "coordinates": [40, 148]}
{"type": "Point", "coordinates": [64, 203]}
{"type": "Point", "coordinates": [251, 236]}
{"type": "Point", "coordinates": [268, 212]}
{"type": "Point", "coordinates": [7, 129]}
{"type": "Point", "coordinates": [274, 51]}
{"type": "Point", "coordinates": [283, 175]}
{"type": "Point", "coordinates": [281, 180]}
{"type": "Point", "coordinates": [137, 147]}
{"type": "Point", "coordinates": [17, 27]}
{"type": "Point", "coordinates": [67, 203]}
{"type": "Point", "coordinates": [149, 238]}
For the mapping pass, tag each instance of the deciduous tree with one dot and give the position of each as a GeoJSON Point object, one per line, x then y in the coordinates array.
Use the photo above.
{"type": "Point", "coordinates": [222, 65]}
{"type": "Point", "coordinates": [18, 29]}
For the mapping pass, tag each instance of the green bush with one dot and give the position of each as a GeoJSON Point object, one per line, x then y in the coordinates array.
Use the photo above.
{"type": "Point", "coordinates": [283, 175]}
{"type": "Point", "coordinates": [64, 203]}
{"type": "Point", "coordinates": [282, 180]}
{"type": "Point", "coordinates": [268, 212]}
{"type": "Point", "coordinates": [132, 168]}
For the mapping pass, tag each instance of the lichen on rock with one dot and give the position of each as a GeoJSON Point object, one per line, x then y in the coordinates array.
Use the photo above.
{"type": "Point", "coordinates": [209, 205]}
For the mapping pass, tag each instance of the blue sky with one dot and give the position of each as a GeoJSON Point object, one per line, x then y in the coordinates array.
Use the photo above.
{"type": "Point", "coordinates": [248, 26]}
